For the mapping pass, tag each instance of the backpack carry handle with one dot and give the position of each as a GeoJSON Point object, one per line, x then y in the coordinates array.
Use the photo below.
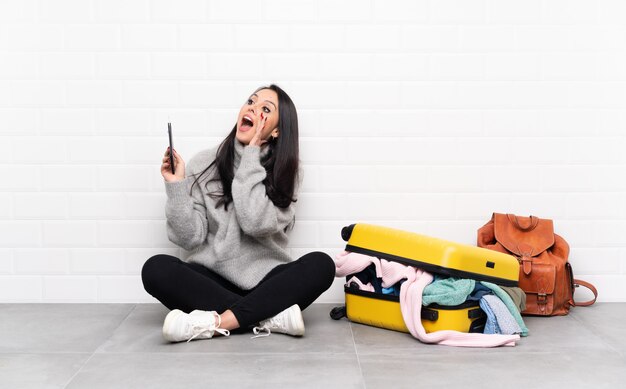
{"type": "Point", "coordinates": [534, 220]}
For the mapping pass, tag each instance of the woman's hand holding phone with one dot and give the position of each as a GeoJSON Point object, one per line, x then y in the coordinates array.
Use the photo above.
{"type": "Point", "coordinates": [179, 167]}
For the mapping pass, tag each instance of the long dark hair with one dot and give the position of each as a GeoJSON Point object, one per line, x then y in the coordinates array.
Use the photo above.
{"type": "Point", "coordinates": [281, 161]}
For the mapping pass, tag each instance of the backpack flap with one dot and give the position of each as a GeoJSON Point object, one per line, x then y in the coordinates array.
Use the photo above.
{"type": "Point", "coordinates": [526, 237]}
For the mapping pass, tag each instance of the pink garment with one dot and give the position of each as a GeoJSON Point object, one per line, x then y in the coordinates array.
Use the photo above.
{"type": "Point", "coordinates": [391, 273]}
{"type": "Point", "coordinates": [367, 287]}
{"type": "Point", "coordinates": [411, 291]}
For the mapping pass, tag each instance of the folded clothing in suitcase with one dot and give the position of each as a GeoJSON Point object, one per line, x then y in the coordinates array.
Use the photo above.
{"type": "Point", "coordinates": [432, 254]}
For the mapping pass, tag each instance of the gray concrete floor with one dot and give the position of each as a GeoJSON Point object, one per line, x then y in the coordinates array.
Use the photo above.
{"type": "Point", "coordinates": [120, 346]}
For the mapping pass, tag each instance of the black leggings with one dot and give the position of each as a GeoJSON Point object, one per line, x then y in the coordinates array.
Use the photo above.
{"type": "Point", "coordinates": [189, 286]}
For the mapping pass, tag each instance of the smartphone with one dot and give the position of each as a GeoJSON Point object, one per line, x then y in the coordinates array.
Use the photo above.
{"type": "Point", "coordinates": [169, 133]}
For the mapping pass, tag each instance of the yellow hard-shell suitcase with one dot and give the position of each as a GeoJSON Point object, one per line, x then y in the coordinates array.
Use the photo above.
{"type": "Point", "coordinates": [432, 254]}
{"type": "Point", "coordinates": [383, 311]}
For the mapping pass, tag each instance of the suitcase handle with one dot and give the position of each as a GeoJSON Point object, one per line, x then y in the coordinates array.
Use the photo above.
{"type": "Point", "coordinates": [429, 314]}
{"type": "Point", "coordinates": [474, 313]}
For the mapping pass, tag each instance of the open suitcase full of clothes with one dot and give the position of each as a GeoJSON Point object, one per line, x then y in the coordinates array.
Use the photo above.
{"type": "Point", "coordinates": [434, 255]}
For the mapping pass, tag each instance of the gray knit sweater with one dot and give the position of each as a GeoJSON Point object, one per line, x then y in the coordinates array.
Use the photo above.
{"type": "Point", "coordinates": [242, 244]}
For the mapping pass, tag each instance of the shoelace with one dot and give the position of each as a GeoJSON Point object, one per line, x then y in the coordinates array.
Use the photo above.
{"type": "Point", "coordinates": [199, 330]}
{"type": "Point", "coordinates": [265, 328]}
{"type": "Point", "coordinates": [257, 331]}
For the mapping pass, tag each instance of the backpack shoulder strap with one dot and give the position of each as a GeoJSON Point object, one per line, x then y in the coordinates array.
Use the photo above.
{"type": "Point", "coordinates": [589, 286]}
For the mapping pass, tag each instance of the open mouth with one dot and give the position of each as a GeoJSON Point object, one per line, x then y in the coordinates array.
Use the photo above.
{"type": "Point", "coordinates": [246, 124]}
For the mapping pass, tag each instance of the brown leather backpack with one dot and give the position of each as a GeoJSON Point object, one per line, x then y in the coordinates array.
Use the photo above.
{"type": "Point", "coordinates": [545, 274]}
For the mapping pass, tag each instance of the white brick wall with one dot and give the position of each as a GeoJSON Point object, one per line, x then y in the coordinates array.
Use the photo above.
{"type": "Point", "coordinates": [425, 115]}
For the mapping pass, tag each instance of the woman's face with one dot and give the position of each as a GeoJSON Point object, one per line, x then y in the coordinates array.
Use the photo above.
{"type": "Point", "coordinates": [264, 101]}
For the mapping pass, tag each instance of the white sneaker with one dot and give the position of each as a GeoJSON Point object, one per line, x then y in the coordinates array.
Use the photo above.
{"type": "Point", "coordinates": [288, 322]}
{"type": "Point", "coordinates": [179, 326]}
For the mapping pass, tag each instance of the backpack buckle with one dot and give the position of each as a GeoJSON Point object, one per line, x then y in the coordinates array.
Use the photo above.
{"type": "Point", "coordinates": [542, 298]}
